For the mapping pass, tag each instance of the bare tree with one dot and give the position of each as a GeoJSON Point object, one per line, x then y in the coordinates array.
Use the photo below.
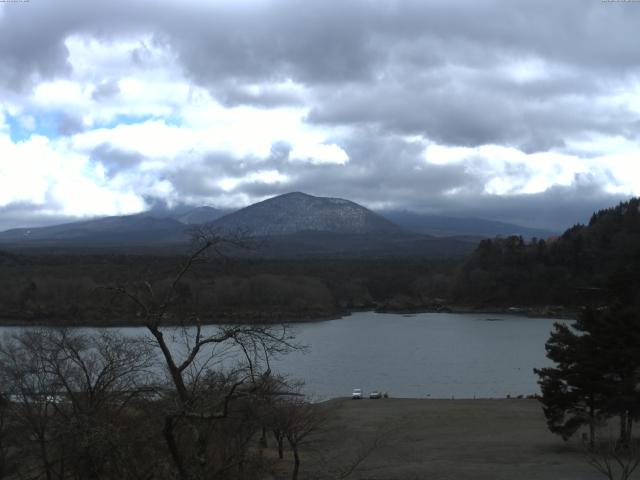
{"type": "Point", "coordinates": [8, 457]}
{"type": "Point", "coordinates": [32, 391]}
{"type": "Point", "coordinates": [95, 405]}
{"type": "Point", "coordinates": [275, 408]}
{"type": "Point", "coordinates": [365, 451]}
{"type": "Point", "coordinates": [339, 466]}
{"type": "Point", "coordinates": [614, 460]}
{"type": "Point", "coordinates": [204, 396]}
{"type": "Point", "coordinates": [69, 390]}
{"type": "Point", "coordinates": [294, 419]}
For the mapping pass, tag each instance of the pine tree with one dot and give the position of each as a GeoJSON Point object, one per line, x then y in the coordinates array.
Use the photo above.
{"type": "Point", "coordinates": [572, 391]}
{"type": "Point", "coordinates": [596, 374]}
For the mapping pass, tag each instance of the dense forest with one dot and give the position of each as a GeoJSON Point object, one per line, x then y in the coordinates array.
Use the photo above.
{"type": "Point", "coordinates": [545, 275]}
{"type": "Point", "coordinates": [77, 288]}
{"type": "Point", "coordinates": [585, 265]}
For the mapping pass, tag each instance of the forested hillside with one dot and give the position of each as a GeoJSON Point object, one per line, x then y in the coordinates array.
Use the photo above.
{"type": "Point", "coordinates": [585, 265]}
{"type": "Point", "coordinates": [60, 289]}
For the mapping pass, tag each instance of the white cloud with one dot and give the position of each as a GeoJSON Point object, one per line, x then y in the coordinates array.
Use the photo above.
{"type": "Point", "coordinates": [153, 138]}
{"type": "Point", "coordinates": [186, 124]}
{"type": "Point", "coordinates": [270, 177]}
{"type": "Point", "coordinates": [28, 122]}
{"type": "Point", "coordinates": [442, 155]}
{"type": "Point", "coordinates": [318, 153]}
{"type": "Point", "coordinates": [61, 94]}
{"type": "Point", "coordinates": [25, 170]}
{"type": "Point", "coordinates": [509, 171]}
{"type": "Point", "coordinates": [45, 174]}
{"type": "Point", "coordinates": [4, 126]}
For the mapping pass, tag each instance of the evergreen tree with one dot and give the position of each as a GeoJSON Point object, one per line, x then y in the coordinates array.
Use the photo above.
{"type": "Point", "coordinates": [616, 337]}
{"type": "Point", "coordinates": [596, 374]}
{"type": "Point", "coordinates": [572, 391]}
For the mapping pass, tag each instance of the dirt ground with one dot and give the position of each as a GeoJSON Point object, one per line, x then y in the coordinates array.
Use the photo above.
{"type": "Point", "coordinates": [413, 439]}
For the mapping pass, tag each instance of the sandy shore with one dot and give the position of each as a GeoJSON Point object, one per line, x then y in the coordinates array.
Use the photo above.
{"type": "Point", "coordinates": [442, 439]}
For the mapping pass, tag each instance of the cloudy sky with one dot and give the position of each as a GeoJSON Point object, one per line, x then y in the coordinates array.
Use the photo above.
{"type": "Point", "coordinates": [523, 111]}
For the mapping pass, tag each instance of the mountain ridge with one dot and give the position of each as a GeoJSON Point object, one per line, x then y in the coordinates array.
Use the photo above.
{"type": "Point", "coordinates": [294, 222]}
{"type": "Point", "coordinates": [447, 226]}
{"type": "Point", "coordinates": [297, 212]}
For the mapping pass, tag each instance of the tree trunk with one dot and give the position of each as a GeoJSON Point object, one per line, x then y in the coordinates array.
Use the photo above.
{"type": "Point", "coordinates": [624, 430]}
{"type": "Point", "coordinates": [263, 438]}
{"type": "Point", "coordinates": [592, 424]}
{"type": "Point", "coordinates": [173, 448]}
{"type": "Point", "coordinates": [296, 462]}
{"type": "Point", "coordinates": [280, 441]}
{"type": "Point", "coordinates": [174, 371]}
{"type": "Point", "coordinates": [45, 457]}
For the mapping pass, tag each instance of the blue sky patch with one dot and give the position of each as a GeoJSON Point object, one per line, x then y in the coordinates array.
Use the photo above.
{"type": "Point", "coordinates": [124, 120]}
{"type": "Point", "coordinates": [17, 130]}
{"type": "Point", "coordinates": [45, 123]}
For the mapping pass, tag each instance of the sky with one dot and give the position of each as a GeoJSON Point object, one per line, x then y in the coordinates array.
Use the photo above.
{"type": "Point", "coordinates": [521, 111]}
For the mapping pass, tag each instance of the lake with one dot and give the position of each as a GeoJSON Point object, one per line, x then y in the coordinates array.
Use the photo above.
{"type": "Point", "coordinates": [435, 355]}
{"type": "Point", "coordinates": [427, 355]}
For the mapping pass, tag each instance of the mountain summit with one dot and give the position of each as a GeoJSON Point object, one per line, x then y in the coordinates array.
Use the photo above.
{"type": "Point", "coordinates": [298, 212]}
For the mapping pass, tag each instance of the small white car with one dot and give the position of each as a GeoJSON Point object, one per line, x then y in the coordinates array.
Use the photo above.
{"type": "Point", "coordinates": [375, 395]}
{"type": "Point", "coordinates": [356, 394]}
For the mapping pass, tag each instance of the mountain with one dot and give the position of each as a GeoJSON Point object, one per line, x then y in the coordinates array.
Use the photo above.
{"type": "Point", "coordinates": [442, 226]}
{"type": "Point", "coordinates": [119, 230]}
{"type": "Point", "coordinates": [199, 215]}
{"type": "Point", "coordinates": [297, 212]}
{"type": "Point", "coordinates": [290, 225]}
{"type": "Point", "coordinates": [159, 226]}
{"type": "Point", "coordinates": [293, 225]}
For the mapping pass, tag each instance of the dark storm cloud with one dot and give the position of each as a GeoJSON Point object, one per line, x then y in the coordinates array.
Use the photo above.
{"type": "Point", "coordinates": [115, 160]}
{"type": "Point", "coordinates": [333, 41]}
{"type": "Point", "coordinates": [384, 172]}
{"type": "Point", "coordinates": [558, 207]}
{"type": "Point", "coordinates": [24, 214]}
{"type": "Point", "coordinates": [199, 180]}
{"type": "Point", "coordinates": [439, 69]}
{"type": "Point", "coordinates": [265, 97]}
{"type": "Point", "coordinates": [467, 114]}
{"type": "Point", "coordinates": [405, 183]}
{"type": "Point", "coordinates": [69, 124]}
{"type": "Point", "coordinates": [369, 177]}
{"type": "Point", "coordinates": [28, 54]}
{"type": "Point", "coordinates": [106, 90]}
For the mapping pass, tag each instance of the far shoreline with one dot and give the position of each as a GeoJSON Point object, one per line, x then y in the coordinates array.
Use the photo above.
{"type": "Point", "coordinates": [557, 313]}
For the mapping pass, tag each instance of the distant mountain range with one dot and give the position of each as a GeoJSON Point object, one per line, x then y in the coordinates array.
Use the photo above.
{"type": "Point", "coordinates": [294, 224]}
{"type": "Point", "coordinates": [442, 226]}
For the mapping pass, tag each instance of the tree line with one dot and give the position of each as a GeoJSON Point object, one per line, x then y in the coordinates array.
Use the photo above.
{"type": "Point", "coordinates": [69, 289]}
{"type": "Point", "coordinates": [583, 265]}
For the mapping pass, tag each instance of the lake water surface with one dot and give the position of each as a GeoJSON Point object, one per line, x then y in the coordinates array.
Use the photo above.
{"type": "Point", "coordinates": [435, 355]}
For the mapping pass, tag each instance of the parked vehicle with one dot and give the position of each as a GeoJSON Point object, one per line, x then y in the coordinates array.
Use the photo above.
{"type": "Point", "coordinates": [375, 395]}
{"type": "Point", "coordinates": [356, 394]}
